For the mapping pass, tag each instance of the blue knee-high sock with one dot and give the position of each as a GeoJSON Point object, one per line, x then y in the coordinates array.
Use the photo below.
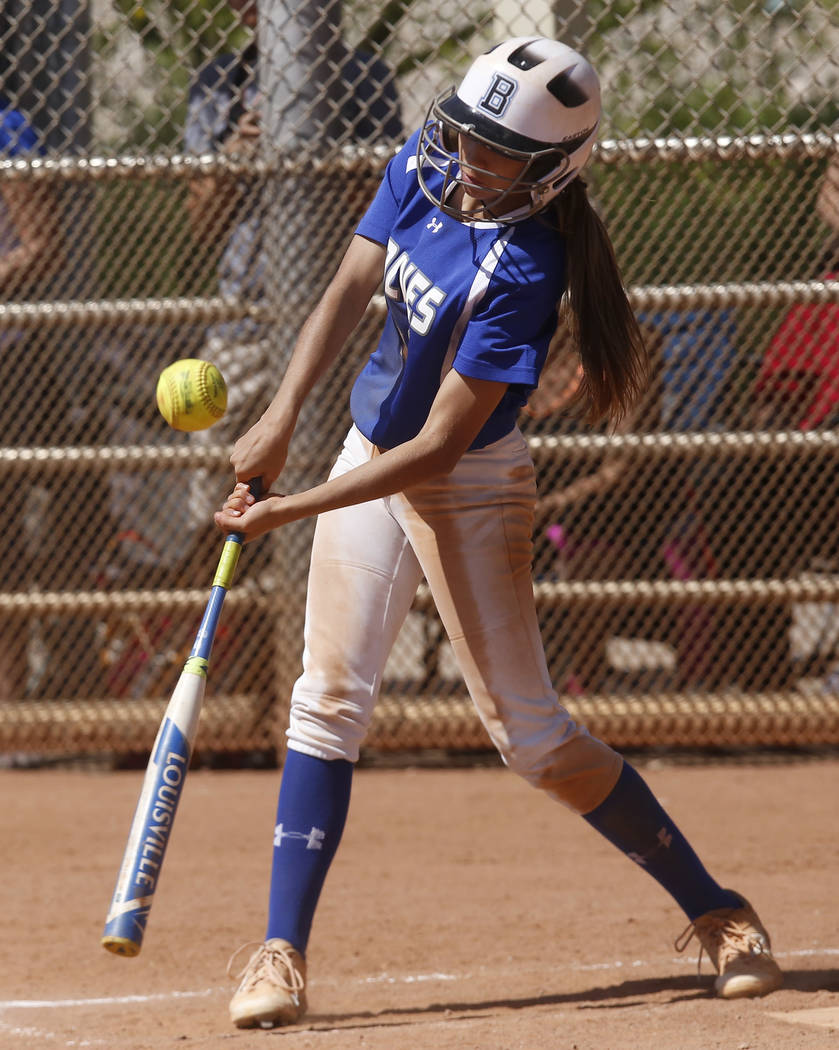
{"type": "Point", "coordinates": [311, 812]}
{"type": "Point", "coordinates": [631, 819]}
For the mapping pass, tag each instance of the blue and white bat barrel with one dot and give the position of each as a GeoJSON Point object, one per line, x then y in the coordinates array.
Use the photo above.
{"type": "Point", "coordinates": [163, 783]}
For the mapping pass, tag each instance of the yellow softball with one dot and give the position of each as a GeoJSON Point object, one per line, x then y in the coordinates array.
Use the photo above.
{"type": "Point", "coordinates": [191, 394]}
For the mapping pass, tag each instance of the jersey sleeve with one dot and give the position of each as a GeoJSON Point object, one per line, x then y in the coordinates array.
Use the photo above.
{"type": "Point", "coordinates": [379, 219]}
{"type": "Point", "coordinates": [507, 338]}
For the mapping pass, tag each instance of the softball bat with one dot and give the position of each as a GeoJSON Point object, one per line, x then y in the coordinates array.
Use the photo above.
{"type": "Point", "coordinates": [151, 827]}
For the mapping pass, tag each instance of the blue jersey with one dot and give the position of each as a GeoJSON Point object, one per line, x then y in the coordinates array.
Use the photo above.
{"type": "Point", "coordinates": [479, 297]}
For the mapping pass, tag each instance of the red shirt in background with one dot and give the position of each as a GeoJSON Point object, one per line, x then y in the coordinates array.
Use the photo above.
{"type": "Point", "coordinates": [801, 365]}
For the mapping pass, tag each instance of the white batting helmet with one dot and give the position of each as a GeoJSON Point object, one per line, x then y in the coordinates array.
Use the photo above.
{"type": "Point", "coordinates": [530, 98]}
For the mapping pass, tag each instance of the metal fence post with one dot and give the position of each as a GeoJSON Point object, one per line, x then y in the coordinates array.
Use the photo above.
{"type": "Point", "coordinates": [299, 46]}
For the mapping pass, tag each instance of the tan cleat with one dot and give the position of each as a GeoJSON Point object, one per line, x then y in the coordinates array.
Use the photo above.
{"type": "Point", "coordinates": [738, 946]}
{"type": "Point", "coordinates": [272, 986]}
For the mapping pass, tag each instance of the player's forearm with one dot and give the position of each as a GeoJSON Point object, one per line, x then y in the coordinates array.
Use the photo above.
{"type": "Point", "coordinates": [410, 464]}
{"type": "Point", "coordinates": [460, 409]}
{"type": "Point", "coordinates": [328, 328]}
{"type": "Point", "coordinates": [393, 471]}
{"type": "Point", "coordinates": [262, 451]}
{"type": "Point", "coordinates": [321, 340]}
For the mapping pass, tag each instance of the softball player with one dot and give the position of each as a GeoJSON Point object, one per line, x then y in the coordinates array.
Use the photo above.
{"type": "Point", "coordinates": [480, 224]}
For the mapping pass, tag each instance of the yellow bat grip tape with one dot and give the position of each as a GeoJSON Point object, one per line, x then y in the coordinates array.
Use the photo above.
{"type": "Point", "coordinates": [197, 665]}
{"type": "Point", "coordinates": [227, 563]}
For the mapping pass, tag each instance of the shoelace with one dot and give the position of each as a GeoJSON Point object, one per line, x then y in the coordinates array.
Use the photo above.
{"type": "Point", "coordinates": [729, 937]}
{"type": "Point", "coordinates": [267, 963]}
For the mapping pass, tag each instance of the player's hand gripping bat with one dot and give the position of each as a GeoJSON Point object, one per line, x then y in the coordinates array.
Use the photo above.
{"type": "Point", "coordinates": [166, 773]}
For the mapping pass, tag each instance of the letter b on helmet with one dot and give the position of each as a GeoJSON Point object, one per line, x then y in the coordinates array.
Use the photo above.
{"type": "Point", "coordinates": [498, 95]}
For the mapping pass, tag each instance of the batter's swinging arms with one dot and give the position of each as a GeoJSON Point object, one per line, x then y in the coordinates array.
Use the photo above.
{"type": "Point", "coordinates": [480, 224]}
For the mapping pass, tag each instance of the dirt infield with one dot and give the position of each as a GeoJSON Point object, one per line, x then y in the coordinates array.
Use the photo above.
{"type": "Point", "coordinates": [464, 910]}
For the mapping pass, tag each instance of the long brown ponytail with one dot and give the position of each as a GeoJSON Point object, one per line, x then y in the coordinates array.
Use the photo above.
{"type": "Point", "coordinates": [602, 323]}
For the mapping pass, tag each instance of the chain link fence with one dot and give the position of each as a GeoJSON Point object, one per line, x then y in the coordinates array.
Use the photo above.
{"type": "Point", "coordinates": [180, 178]}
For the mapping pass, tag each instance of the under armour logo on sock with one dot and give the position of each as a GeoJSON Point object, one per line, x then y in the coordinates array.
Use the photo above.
{"type": "Point", "coordinates": [313, 839]}
{"type": "Point", "coordinates": [664, 839]}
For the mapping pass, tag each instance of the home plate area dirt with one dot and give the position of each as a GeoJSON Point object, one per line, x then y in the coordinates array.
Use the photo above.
{"type": "Point", "coordinates": [463, 910]}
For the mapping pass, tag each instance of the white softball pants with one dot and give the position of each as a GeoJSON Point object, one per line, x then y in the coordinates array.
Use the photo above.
{"type": "Point", "coordinates": [469, 534]}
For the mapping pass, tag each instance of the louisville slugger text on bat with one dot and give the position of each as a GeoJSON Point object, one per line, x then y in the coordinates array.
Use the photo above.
{"type": "Point", "coordinates": [165, 774]}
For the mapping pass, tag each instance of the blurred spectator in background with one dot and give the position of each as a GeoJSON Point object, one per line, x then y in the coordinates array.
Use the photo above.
{"type": "Point", "coordinates": [794, 522]}
{"type": "Point", "coordinates": [787, 513]}
{"type": "Point", "coordinates": [30, 256]}
{"type": "Point", "coordinates": [777, 516]}
{"type": "Point", "coordinates": [797, 385]}
{"type": "Point", "coordinates": [827, 201]}
{"type": "Point", "coordinates": [630, 518]}
{"type": "Point", "coordinates": [698, 356]}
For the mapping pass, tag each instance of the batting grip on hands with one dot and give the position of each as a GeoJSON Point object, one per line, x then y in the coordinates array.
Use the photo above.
{"type": "Point", "coordinates": [166, 772]}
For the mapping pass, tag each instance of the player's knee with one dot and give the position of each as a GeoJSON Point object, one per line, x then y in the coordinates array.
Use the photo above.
{"type": "Point", "coordinates": [326, 726]}
{"type": "Point", "coordinates": [579, 773]}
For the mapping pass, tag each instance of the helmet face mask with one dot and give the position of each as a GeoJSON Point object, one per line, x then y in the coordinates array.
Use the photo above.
{"type": "Point", "coordinates": [504, 197]}
{"type": "Point", "coordinates": [532, 100]}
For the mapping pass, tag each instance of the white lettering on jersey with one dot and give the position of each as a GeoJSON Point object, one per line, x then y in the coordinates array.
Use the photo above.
{"type": "Point", "coordinates": [405, 283]}
{"type": "Point", "coordinates": [423, 317]}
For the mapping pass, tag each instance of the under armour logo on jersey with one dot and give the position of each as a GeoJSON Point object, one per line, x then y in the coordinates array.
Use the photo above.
{"type": "Point", "coordinates": [313, 839]}
{"type": "Point", "coordinates": [498, 95]}
{"type": "Point", "coordinates": [435, 225]}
